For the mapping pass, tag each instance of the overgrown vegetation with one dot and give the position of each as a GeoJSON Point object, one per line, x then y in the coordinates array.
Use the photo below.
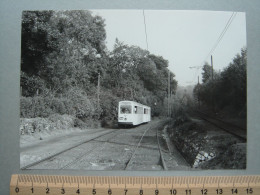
{"type": "Point", "coordinates": [203, 148]}
{"type": "Point", "coordinates": [225, 90]}
{"type": "Point", "coordinates": [64, 56]}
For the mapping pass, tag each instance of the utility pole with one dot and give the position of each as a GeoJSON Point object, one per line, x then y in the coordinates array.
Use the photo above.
{"type": "Point", "coordinates": [212, 98]}
{"type": "Point", "coordinates": [98, 90]}
{"type": "Point", "coordinates": [199, 91]}
{"type": "Point", "coordinates": [169, 94]}
{"type": "Point", "coordinates": [212, 67]}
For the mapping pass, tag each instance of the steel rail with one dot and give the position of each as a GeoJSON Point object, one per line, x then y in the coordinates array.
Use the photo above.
{"type": "Point", "coordinates": [103, 142]}
{"type": "Point", "coordinates": [160, 151]}
{"type": "Point", "coordinates": [220, 120]}
{"type": "Point", "coordinates": [65, 150]}
{"type": "Point", "coordinates": [228, 130]}
{"type": "Point", "coordinates": [137, 146]}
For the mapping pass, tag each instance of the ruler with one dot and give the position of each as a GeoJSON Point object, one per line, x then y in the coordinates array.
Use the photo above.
{"type": "Point", "coordinates": [115, 185]}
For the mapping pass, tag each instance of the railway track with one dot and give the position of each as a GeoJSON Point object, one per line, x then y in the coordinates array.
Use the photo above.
{"type": "Point", "coordinates": [136, 147]}
{"type": "Point", "coordinates": [85, 154]}
{"type": "Point", "coordinates": [63, 151]}
{"type": "Point", "coordinates": [94, 150]}
{"type": "Point", "coordinates": [235, 130]}
{"type": "Point", "coordinates": [111, 142]}
{"type": "Point", "coordinates": [161, 153]}
{"type": "Point", "coordinates": [161, 161]}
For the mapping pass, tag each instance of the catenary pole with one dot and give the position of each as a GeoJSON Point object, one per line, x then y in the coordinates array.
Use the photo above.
{"type": "Point", "coordinates": [98, 90]}
{"type": "Point", "coordinates": [199, 91]}
{"type": "Point", "coordinates": [212, 67]}
{"type": "Point", "coordinates": [212, 77]}
{"type": "Point", "coordinates": [169, 95]}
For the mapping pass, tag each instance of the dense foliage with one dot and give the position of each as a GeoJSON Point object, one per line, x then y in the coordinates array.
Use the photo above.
{"type": "Point", "coordinates": [63, 57]}
{"type": "Point", "coordinates": [227, 90]}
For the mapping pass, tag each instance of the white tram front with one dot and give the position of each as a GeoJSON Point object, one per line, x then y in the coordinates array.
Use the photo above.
{"type": "Point", "coordinates": [133, 113]}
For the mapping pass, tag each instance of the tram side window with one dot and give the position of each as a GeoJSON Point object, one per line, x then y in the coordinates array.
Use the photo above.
{"type": "Point", "coordinates": [145, 111]}
{"type": "Point", "coordinates": [125, 109]}
{"type": "Point", "coordinates": [135, 109]}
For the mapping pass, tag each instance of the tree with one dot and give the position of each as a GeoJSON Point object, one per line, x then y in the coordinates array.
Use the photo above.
{"type": "Point", "coordinates": [207, 72]}
{"type": "Point", "coordinates": [160, 62]}
{"type": "Point", "coordinates": [139, 76]}
{"type": "Point", "coordinates": [36, 40]}
{"type": "Point", "coordinates": [80, 55]}
{"type": "Point", "coordinates": [228, 88]}
{"type": "Point", "coordinates": [233, 81]}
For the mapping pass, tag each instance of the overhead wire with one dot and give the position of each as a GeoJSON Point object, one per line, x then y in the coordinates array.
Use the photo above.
{"type": "Point", "coordinates": [222, 34]}
{"type": "Point", "coordinates": [145, 31]}
{"type": "Point", "coordinates": [230, 20]}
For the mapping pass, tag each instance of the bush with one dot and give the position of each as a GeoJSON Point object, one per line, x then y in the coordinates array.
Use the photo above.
{"type": "Point", "coordinates": [91, 123]}
{"type": "Point", "coordinates": [31, 107]}
{"type": "Point", "coordinates": [64, 120]}
{"type": "Point", "coordinates": [57, 105]}
{"type": "Point", "coordinates": [74, 102]}
{"type": "Point", "coordinates": [26, 107]}
{"type": "Point", "coordinates": [108, 104]}
{"type": "Point", "coordinates": [109, 123]}
{"type": "Point", "coordinates": [80, 124]}
{"type": "Point", "coordinates": [53, 122]}
{"type": "Point", "coordinates": [79, 104]}
{"type": "Point", "coordinates": [31, 85]}
{"type": "Point", "coordinates": [39, 106]}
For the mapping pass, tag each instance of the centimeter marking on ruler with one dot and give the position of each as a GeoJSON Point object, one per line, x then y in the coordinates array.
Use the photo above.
{"type": "Point", "coordinates": [113, 185]}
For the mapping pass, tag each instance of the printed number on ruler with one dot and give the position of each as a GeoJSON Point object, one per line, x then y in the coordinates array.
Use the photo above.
{"type": "Point", "coordinates": [104, 185]}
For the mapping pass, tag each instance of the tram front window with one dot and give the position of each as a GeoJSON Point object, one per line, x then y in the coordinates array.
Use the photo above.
{"type": "Point", "coordinates": [125, 109]}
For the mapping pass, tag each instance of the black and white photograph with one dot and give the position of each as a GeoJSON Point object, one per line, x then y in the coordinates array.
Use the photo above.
{"type": "Point", "coordinates": [134, 90]}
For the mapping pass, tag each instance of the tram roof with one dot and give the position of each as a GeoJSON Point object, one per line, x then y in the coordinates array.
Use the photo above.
{"type": "Point", "coordinates": [133, 102]}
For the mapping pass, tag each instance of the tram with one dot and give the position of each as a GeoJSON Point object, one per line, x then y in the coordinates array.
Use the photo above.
{"type": "Point", "coordinates": [133, 113]}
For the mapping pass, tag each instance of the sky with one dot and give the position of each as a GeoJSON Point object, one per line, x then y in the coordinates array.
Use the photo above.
{"type": "Point", "coordinates": [184, 38]}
